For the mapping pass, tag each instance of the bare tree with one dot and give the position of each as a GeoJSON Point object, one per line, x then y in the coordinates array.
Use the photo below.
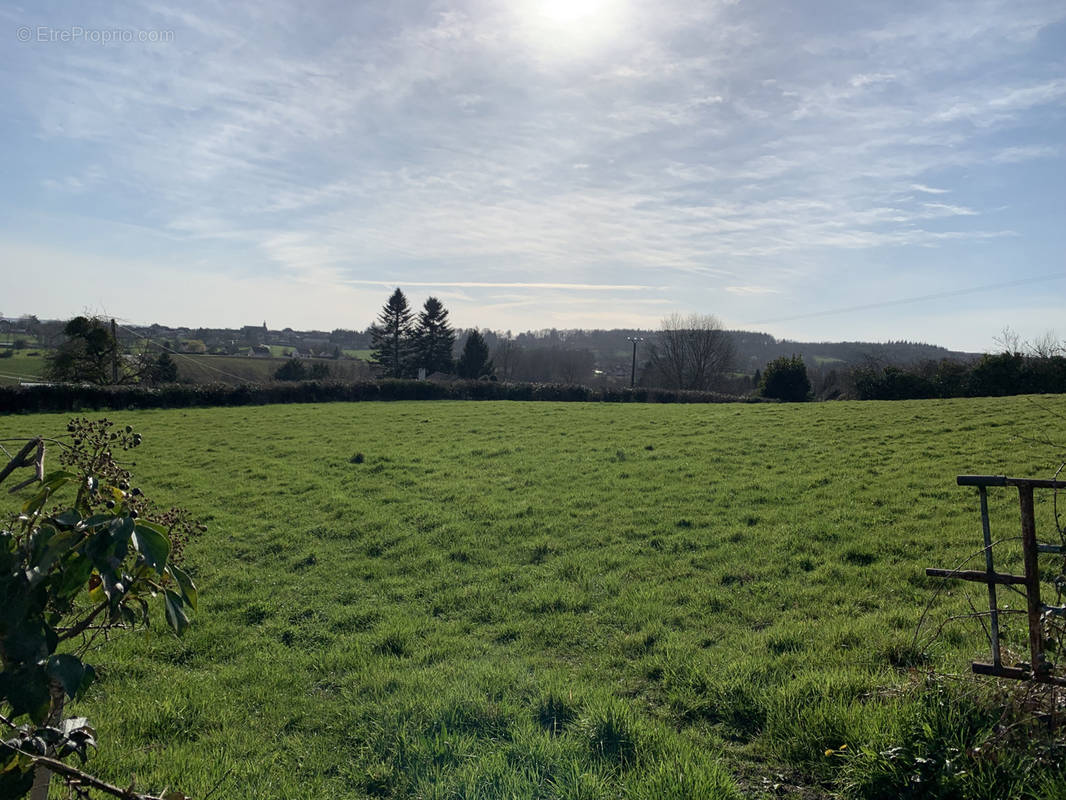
{"type": "Point", "coordinates": [506, 356]}
{"type": "Point", "coordinates": [1047, 346]}
{"type": "Point", "coordinates": [1009, 341]}
{"type": "Point", "coordinates": [691, 352]}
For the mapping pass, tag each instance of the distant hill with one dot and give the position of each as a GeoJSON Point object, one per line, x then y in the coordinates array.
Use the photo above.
{"type": "Point", "coordinates": [755, 350]}
{"type": "Point", "coordinates": [612, 351]}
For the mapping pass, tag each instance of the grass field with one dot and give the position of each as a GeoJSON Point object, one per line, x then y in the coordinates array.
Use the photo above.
{"type": "Point", "coordinates": [193, 368]}
{"type": "Point", "coordinates": [21, 367]}
{"type": "Point", "coordinates": [235, 369]}
{"type": "Point", "coordinates": [571, 600]}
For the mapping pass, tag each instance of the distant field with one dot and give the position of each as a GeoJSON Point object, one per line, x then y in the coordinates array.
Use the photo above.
{"type": "Point", "coordinates": [196, 368]}
{"type": "Point", "coordinates": [234, 369]}
{"type": "Point", "coordinates": [21, 367]}
{"type": "Point", "coordinates": [568, 600]}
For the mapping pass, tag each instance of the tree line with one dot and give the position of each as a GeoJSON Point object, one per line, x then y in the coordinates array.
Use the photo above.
{"type": "Point", "coordinates": [687, 353]}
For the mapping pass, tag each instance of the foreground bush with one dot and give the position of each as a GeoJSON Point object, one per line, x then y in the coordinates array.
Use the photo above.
{"type": "Point", "coordinates": [80, 559]}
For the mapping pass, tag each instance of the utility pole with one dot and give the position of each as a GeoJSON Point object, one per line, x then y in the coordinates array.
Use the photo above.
{"type": "Point", "coordinates": [114, 353]}
{"type": "Point", "coordinates": [633, 371]}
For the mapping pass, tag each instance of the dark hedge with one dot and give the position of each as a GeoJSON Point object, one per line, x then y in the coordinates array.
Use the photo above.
{"type": "Point", "coordinates": [72, 398]}
{"type": "Point", "coordinates": [996, 375]}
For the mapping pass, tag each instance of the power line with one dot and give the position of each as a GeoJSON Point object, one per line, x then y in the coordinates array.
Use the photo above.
{"type": "Point", "coordinates": [919, 299]}
{"type": "Point", "coordinates": [184, 355]}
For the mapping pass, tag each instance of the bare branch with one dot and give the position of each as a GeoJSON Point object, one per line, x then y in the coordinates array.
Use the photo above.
{"type": "Point", "coordinates": [74, 630]}
{"type": "Point", "coordinates": [77, 777]}
{"type": "Point", "coordinates": [20, 459]}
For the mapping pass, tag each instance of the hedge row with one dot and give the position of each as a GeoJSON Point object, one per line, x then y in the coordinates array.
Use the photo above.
{"type": "Point", "coordinates": [65, 397]}
{"type": "Point", "coordinates": [992, 376]}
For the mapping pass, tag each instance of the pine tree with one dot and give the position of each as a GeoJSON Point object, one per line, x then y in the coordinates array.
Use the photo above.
{"type": "Point", "coordinates": [474, 361]}
{"type": "Point", "coordinates": [391, 337]}
{"type": "Point", "coordinates": [434, 338]}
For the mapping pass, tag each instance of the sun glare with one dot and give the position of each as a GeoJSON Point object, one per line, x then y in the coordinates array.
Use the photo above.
{"type": "Point", "coordinates": [570, 23]}
{"type": "Point", "coordinates": [573, 12]}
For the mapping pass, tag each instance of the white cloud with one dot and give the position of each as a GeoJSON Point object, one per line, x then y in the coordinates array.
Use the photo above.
{"type": "Point", "coordinates": [692, 149]}
{"type": "Point", "coordinates": [944, 209]}
{"type": "Point", "coordinates": [752, 290]}
{"type": "Point", "coordinates": [920, 187]}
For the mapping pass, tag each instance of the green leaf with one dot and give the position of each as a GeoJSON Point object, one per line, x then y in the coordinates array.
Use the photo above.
{"type": "Point", "coordinates": [27, 640]}
{"type": "Point", "coordinates": [68, 670]}
{"type": "Point", "coordinates": [88, 675]}
{"type": "Point", "coordinates": [33, 505]}
{"type": "Point", "coordinates": [58, 546]}
{"type": "Point", "coordinates": [16, 775]}
{"type": "Point", "coordinates": [73, 575]}
{"type": "Point", "coordinates": [97, 520]}
{"type": "Point", "coordinates": [58, 474]}
{"type": "Point", "coordinates": [54, 480]}
{"type": "Point", "coordinates": [68, 519]}
{"type": "Point", "coordinates": [26, 691]}
{"type": "Point", "coordinates": [188, 588]}
{"type": "Point", "coordinates": [152, 544]}
{"type": "Point", "coordinates": [175, 612]}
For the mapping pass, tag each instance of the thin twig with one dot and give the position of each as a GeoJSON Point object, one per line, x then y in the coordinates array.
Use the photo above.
{"type": "Point", "coordinates": [74, 630]}
{"type": "Point", "coordinates": [980, 618]}
{"type": "Point", "coordinates": [943, 583]}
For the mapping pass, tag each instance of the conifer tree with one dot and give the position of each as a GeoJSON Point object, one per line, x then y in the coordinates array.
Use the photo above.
{"type": "Point", "coordinates": [390, 338]}
{"type": "Point", "coordinates": [474, 361]}
{"type": "Point", "coordinates": [434, 338]}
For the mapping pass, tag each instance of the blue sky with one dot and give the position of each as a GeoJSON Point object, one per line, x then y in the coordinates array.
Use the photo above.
{"type": "Point", "coordinates": [562, 163]}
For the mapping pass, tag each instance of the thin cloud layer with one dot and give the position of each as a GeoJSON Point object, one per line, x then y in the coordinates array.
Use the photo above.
{"type": "Point", "coordinates": [726, 158]}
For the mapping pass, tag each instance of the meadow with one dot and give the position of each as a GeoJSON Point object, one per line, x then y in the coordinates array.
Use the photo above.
{"type": "Point", "coordinates": [548, 600]}
{"type": "Point", "coordinates": [23, 365]}
{"type": "Point", "coordinates": [30, 366]}
{"type": "Point", "coordinates": [237, 369]}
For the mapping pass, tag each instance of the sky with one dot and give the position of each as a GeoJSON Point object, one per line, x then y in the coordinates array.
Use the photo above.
{"type": "Point", "coordinates": [815, 170]}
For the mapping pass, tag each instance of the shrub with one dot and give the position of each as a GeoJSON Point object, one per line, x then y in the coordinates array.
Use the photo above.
{"type": "Point", "coordinates": [786, 379]}
{"type": "Point", "coordinates": [291, 370]}
{"type": "Point", "coordinates": [83, 555]}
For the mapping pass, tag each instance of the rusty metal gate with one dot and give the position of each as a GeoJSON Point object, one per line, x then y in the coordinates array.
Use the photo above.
{"type": "Point", "coordinates": [1039, 668]}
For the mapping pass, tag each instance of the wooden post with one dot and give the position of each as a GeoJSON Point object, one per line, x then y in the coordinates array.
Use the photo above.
{"type": "Point", "coordinates": [993, 607]}
{"type": "Point", "coordinates": [114, 353]}
{"type": "Point", "coordinates": [1032, 577]}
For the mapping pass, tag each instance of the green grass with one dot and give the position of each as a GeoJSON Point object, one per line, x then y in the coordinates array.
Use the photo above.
{"type": "Point", "coordinates": [569, 600]}
{"type": "Point", "coordinates": [196, 368]}
{"type": "Point", "coordinates": [22, 367]}
{"type": "Point", "coordinates": [235, 369]}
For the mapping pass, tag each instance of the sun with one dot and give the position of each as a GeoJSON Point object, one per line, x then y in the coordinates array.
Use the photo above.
{"type": "Point", "coordinates": [567, 13]}
{"type": "Point", "coordinates": [572, 24]}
